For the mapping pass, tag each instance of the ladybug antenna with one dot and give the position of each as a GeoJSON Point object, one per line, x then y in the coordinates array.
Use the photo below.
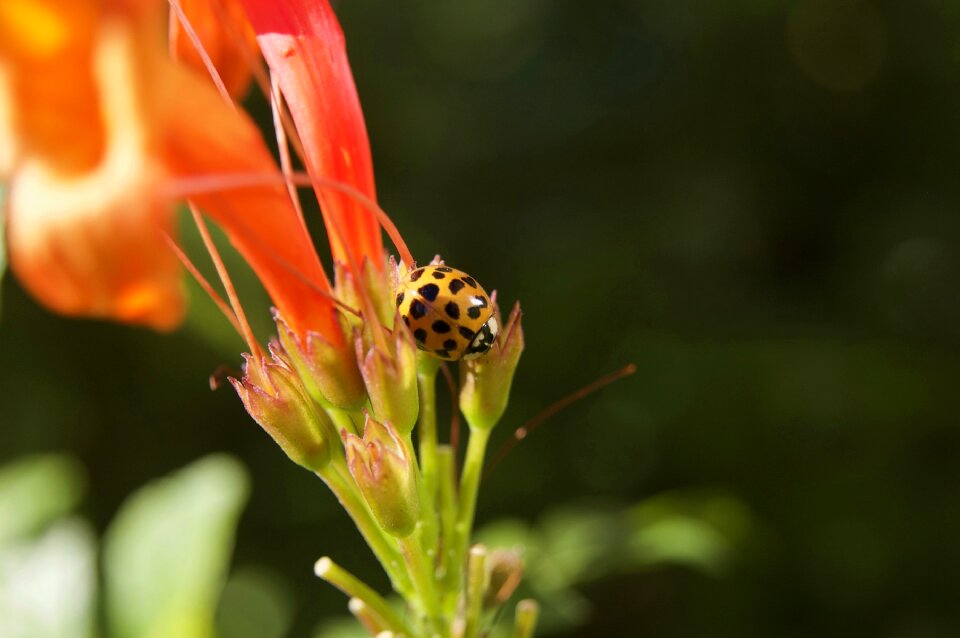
{"type": "Point", "coordinates": [527, 428]}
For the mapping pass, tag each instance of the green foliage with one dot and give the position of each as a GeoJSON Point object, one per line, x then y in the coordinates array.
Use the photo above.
{"type": "Point", "coordinates": [48, 584]}
{"type": "Point", "coordinates": [167, 552]}
{"type": "Point", "coordinates": [574, 546]}
{"type": "Point", "coordinates": [254, 604]}
{"type": "Point", "coordinates": [165, 559]}
{"type": "Point", "coordinates": [35, 491]}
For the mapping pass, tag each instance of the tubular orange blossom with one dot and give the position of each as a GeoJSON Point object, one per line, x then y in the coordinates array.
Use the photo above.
{"type": "Point", "coordinates": [305, 49]}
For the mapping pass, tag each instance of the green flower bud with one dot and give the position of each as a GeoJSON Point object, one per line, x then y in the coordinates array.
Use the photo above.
{"type": "Point", "coordinates": [391, 379]}
{"type": "Point", "coordinates": [329, 373]}
{"type": "Point", "coordinates": [274, 396]}
{"type": "Point", "coordinates": [376, 282]}
{"type": "Point", "coordinates": [381, 466]}
{"type": "Point", "coordinates": [485, 381]}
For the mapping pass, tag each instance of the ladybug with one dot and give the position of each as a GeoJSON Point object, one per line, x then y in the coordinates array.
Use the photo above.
{"type": "Point", "coordinates": [450, 315]}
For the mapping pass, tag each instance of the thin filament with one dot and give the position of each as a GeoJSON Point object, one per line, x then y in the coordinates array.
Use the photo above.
{"type": "Point", "coordinates": [527, 428]}
{"type": "Point", "coordinates": [283, 148]}
{"type": "Point", "coordinates": [245, 329]}
{"type": "Point", "coordinates": [227, 181]}
{"type": "Point", "coordinates": [455, 413]}
{"type": "Point", "coordinates": [202, 51]}
{"type": "Point", "coordinates": [202, 281]}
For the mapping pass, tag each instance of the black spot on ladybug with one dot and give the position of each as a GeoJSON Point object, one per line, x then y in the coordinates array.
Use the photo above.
{"type": "Point", "coordinates": [479, 301]}
{"type": "Point", "coordinates": [416, 274]}
{"type": "Point", "coordinates": [470, 281]}
{"type": "Point", "coordinates": [406, 320]}
{"type": "Point", "coordinates": [453, 310]}
{"type": "Point", "coordinates": [456, 286]}
{"type": "Point", "coordinates": [429, 292]}
{"type": "Point", "coordinates": [442, 353]}
{"type": "Point", "coordinates": [420, 335]}
{"type": "Point", "coordinates": [417, 309]}
{"type": "Point", "coordinates": [465, 332]}
{"type": "Point", "coordinates": [438, 275]}
{"type": "Point", "coordinates": [443, 268]}
{"type": "Point", "coordinates": [441, 326]}
{"type": "Point", "coordinates": [399, 299]}
{"type": "Point", "coordinates": [473, 312]}
{"type": "Point", "coordinates": [450, 344]}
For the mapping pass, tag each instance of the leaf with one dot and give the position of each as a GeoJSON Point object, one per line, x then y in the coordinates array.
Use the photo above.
{"type": "Point", "coordinates": [254, 605]}
{"type": "Point", "coordinates": [167, 552]}
{"type": "Point", "coordinates": [36, 490]}
{"type": "Point", "coordinates": [47, 586]}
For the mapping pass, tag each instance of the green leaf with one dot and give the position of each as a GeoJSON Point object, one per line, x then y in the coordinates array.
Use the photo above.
{"type": "Point", "coordinates": [167, 552]}
{"type": "Point", "coordinates": [254, 605]}
{"type": "Point", "coordinates": [35, 491]}
{"type": "Point", "coordinates": [47, 585]}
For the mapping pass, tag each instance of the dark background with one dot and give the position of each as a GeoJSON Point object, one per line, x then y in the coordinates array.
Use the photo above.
{"type": "Point", "coordinates": [754, 201]}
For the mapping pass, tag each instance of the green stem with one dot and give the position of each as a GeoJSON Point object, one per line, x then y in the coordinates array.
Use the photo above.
{"type": "Point", "coordinates": [469, 485]}
{"type": "Point", "coordinates": [427, 423]}
{"type": "Point", "coordinates": [476, 575]}
{"type": "Point", "coordinates": [342, 421]}
{"type": "Point", "coordinates": [448, 520]}
{"type": "Point", "coordinates": [382, 546]}
{"type": "Point", "coordinates": [526, 623]}
{"type": "Point", "coordinates": [352, 586]}
{"type": "Point", "coordinates": [421, 571]}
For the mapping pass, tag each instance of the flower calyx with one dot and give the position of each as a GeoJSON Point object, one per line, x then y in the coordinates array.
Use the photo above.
{"type": "Point", "coordinates": [391, 378]}
{"type": "Point", "coordinates": [329, 372]}
{"type": "Point", "coordinates": [383, 468]}
{"type": "Point", "coordinates": [276, 399]}
{"type": "Point", "coordinates": [485, 381]}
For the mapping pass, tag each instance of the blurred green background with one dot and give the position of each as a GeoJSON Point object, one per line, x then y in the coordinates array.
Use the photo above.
{"type": "Point", "coordinates": [753, 200]}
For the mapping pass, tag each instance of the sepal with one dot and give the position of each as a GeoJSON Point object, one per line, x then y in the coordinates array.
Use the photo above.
{"type": "Point", "coordinates": [329, 372]}
{"type": "Point", "coordinates": [273, 395]}
{"type": "Point", "coordinates": [383, 469]}
{"type": "Point", "coordinates": [391, 378]}
{"type": "Point", "coordinates": [485, 381]}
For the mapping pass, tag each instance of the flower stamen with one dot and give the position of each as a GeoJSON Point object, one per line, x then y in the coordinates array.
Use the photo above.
{"type": "Point", "coordinates": [201, 51]}
{"type": "Point", "coordinates": [203, 282]}
{"type": "Point", "coordinates": [245, 329]}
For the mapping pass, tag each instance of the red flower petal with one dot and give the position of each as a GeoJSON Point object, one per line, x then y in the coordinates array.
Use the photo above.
{"type": "Point", "coordinates": [305, 49]}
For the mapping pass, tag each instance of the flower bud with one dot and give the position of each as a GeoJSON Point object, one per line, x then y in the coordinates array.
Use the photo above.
{"type": "Point", "coordinates": [383, 470]}
{"type": "Point", "coordinates": [329, 373]}
{"type": "Point", "coordinates": [485, 381]}
{"type": "Point", "coordinates": [376, 282]}
{"type": "Point", "coordinates": [273, 395]}
{"type": "Point", "coordinates": [504, 573]}
{"type": "Point", "coordinates": [391, 379]}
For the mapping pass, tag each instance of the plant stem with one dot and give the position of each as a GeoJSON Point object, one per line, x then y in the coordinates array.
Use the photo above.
{"type": "Point", "coordinates": [526, 623]}
{"type": "Point", "coordinates": [383, 547]}
{"type": "Point", "coordinates": [447, 504]}
{"type": "Point", "coordinates": [476, 575]}
{"type": "Point", "coordinates": [352, 586]}
{"type": "Point", "coordinates": [427, 423]}
{"type": "Point", "coordinates": [469, 484]}
{"type": "Point", "coordinates": [342, 421]}
{"type": "Point", "coordinates": [421, 570]}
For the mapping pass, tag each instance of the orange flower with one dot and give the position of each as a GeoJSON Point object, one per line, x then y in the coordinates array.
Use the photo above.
{"type": "Point", "coordinates": [82, 221]}
{"type": "Point", "coordinates": [101, 120]}
{"type": "Point", "coordinates": [305, 50]}
{"type": "Point", "coordinates": [227, 38]}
